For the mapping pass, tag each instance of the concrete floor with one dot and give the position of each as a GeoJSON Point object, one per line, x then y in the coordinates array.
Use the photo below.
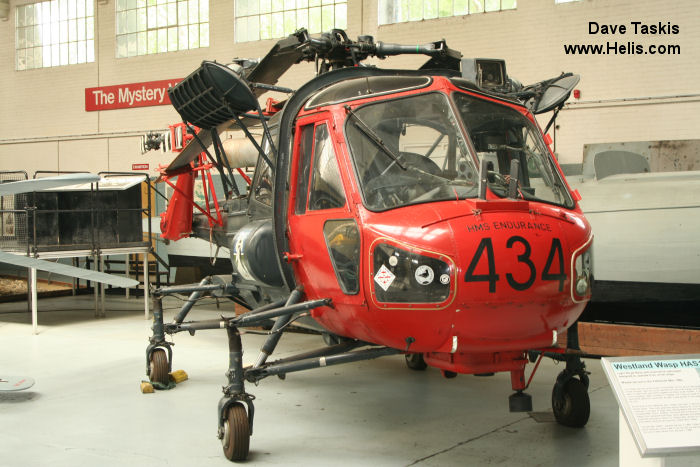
{"type": "Point", "coordinates": [86, 407]}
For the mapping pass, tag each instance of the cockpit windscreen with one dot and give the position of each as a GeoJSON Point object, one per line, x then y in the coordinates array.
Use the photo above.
{"type": "Point", "coordinates": [501, 134]}
{"type": "Point", "coordinates": [408, 151]}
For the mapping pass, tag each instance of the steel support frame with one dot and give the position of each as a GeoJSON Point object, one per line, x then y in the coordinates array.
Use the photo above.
{"type": "Point", "coordinates": [302, 362]}
{"type": "Point", "coordinates": [253, 318]}
{"type": "Point", "coordinates": [234, 391]}
{"type": "Point", "coordinates": [157, 340]}
{"type": "Point", "coordinates": [236, 375]}
{"type": "Point", "coordinates": [276, 333]}
{"type": "Point", "coordinates": [572, 357]}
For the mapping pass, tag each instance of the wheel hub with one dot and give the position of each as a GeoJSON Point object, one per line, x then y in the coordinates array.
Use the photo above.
{"type": "Point", "coordinates": [226, 439]}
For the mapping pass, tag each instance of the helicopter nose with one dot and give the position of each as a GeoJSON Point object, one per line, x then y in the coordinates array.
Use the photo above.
{"type": "Point", "coordinates": [515, 280]}
{"type": "Point", "coordinates": [510, 256]}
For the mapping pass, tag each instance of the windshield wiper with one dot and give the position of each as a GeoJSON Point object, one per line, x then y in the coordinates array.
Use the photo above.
{"type": "Point", "coordinates": [374, 138]}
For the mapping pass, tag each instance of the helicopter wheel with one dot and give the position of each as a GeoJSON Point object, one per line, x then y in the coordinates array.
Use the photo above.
{"type": "Point", "coordinates": [571, 405]}
{"type": "Point", "coordinates": [236, 441]}
{"type": "Point", "coordinates": [330, 339]}
{"type": "Point", "coordinates": [416, 362]}
{"type": "Point", "coordinates": [159, 367]}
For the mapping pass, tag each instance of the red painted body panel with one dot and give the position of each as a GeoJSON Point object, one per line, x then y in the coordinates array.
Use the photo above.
{"type": "Point", "coordinates": [483, 325]}
{"type": "Point", "coordinates": [506, 319]}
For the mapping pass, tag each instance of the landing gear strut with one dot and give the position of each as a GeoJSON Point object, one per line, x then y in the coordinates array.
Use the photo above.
{"type": "Point", "coordinates": [159, 354]}
{"type": "Point", "coordinates": [570, 401]}
{"type": "Point", "coordinates": [235, 423]}
{"type": "Point", "coordinates": [235, 409]}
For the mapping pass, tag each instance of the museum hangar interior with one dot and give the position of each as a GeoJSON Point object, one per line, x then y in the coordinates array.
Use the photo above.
{"type": "Point", "coordinates": [499, 198]}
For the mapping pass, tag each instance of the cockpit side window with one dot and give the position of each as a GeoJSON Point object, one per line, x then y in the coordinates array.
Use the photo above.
{"type": "Point", "coordinates": [326, 187]}
{"type": "Point", "coordinates": [318, 165]}
{"type": "Point", "coordinates": [262, 182]}
{"type": "Point", "coordinates": [304, 161]}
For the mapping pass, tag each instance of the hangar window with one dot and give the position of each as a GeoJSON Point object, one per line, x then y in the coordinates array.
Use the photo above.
{"type": "Point", "coordinates": [157, 26]}
{"type": "Point", "coordinates": [54, 33]}
{"type": "Point", "coordinates": [273, 19]}
{"type": "Point", "coordinates": [400, 11]}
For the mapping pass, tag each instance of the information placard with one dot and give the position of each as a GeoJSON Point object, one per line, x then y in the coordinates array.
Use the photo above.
{"type": "Point", "coordinates": [659, 397]}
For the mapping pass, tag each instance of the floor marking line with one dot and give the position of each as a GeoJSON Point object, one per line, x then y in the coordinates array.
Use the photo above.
{"type": "Point", "coordinates": [462, 443]}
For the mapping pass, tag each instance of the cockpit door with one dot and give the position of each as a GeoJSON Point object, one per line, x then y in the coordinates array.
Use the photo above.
{"type": "Point", "coordinates": [324, 236]}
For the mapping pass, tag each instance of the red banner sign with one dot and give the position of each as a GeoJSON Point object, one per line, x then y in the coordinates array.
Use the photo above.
{"type": "Point", "coordinates": [125, 96]}
{"type": "Point", "coordinates": [139, 166]}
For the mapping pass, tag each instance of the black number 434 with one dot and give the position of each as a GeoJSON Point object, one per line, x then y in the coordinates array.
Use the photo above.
{"type": "Point", "coordinates": [486, 245]}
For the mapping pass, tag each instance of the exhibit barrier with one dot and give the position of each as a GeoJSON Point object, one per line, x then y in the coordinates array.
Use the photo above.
{"type": "Point", "coordinates": [659, 406]}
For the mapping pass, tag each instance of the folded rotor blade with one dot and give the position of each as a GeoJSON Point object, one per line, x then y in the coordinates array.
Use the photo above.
{"type": "Point", "coordinates": [57, 268]}
{"type": "Point", "coordinates": [278, 60]}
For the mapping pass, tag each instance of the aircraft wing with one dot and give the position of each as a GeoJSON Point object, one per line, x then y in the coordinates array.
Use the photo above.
{"type": "Point", "coordinates": [38, 184]}
{"type": "Point", "coordinates": [57, 268]}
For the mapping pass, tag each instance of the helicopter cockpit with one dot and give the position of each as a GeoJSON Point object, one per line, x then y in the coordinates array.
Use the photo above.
{"type": "Point", "coordinates": [411, 149]}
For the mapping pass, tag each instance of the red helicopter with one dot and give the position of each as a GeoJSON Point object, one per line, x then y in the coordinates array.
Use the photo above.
{"type": "Point", "coordinates": [417, 212]}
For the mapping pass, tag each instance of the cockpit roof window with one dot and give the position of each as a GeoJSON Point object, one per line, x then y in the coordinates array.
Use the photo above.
{"type": "Point", "coordinates": [469, 86]}
{"type": "Point", "coordinates": [366, 86]}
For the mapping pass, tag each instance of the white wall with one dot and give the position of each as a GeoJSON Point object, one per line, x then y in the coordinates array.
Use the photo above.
{"type": "Point", "coordinates": [44, 125]}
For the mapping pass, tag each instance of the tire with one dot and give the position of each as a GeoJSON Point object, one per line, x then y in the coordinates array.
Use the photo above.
{"type": "Point", "coordinates": [415, 361]}
{"type": "Point", "coordinates": [573, 407]}
{"type": "Point", "coordinates": [159, 367]}
{"type": "Point", "coordinates": [236, 442]}
{"type": "Point", "coordinates": [330, 339]}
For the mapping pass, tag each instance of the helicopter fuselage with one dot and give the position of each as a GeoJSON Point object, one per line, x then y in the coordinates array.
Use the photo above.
{"type": "Point", "coordinates": [414, 258]}
{"type": "Point", "coordinates": [403, 211]}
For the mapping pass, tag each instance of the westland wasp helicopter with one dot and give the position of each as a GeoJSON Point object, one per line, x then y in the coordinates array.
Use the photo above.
{"type": "Point", "coordinates": [415, 212]}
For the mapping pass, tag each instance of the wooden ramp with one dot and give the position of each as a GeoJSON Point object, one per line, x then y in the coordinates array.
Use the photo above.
{"type": "Point", "coordinates": [620, 340]}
